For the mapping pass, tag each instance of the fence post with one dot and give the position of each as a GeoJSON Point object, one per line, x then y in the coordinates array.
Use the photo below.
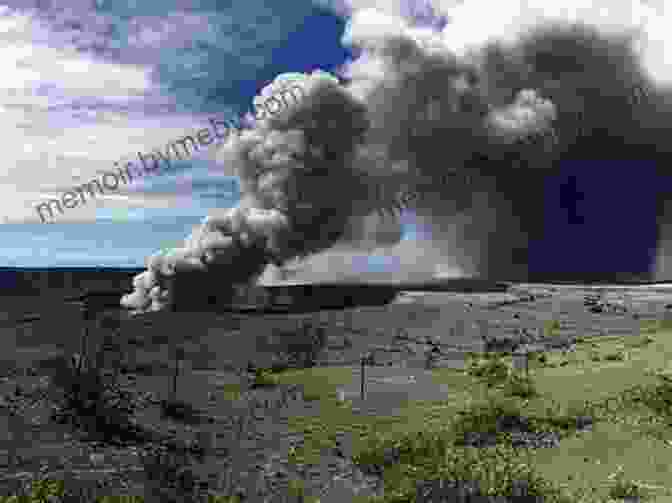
{"type": "Point", "coordinates": [363, 377]}
{"type": "Point", "coordinates": [483, 330]}
{"type": "Point", "coordinates": [520, 360]}
{"type": "Point", "coordinates": [179, 354]}
{"type": "Point", "coordinates": [86, 316]}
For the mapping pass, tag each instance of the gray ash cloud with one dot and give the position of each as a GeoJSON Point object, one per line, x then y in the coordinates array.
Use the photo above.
{"type": "Point", "coordinates": [407, 120]}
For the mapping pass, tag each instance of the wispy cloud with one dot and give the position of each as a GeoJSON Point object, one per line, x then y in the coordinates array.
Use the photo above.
{"type": "Point", "coordinates": [83, 87]}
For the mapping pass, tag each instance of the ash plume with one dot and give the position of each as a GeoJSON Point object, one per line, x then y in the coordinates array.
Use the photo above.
{"type": "Point", "coordinates": [299, 190]}
{"type": "Point", "coordinates": [460, 140]}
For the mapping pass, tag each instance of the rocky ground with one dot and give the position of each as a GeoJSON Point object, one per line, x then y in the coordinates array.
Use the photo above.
{"type": "Point", "coordinates": [400, 337]}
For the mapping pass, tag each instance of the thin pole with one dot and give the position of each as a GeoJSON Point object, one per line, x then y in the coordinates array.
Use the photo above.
{"type": "Point", "coordinates": [175, 377]}
{"type": "Point", "coordinates": [362, 380]}
{"type": "Point", "coordinates": [85, 335]}
{"type": "Point", "coordinates": [179, 356]}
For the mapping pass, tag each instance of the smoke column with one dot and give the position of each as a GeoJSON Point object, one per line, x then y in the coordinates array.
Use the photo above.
{"type": "Point", "coordinates": [416, 114]}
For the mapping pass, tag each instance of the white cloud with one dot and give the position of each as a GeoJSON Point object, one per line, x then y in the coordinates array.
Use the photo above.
{"type": "Point", "coordinates": [472, 23]}
{"type": "Point", "coordinates": [476, 21]}
{"type": "Point", "coordinates": [53, 137]}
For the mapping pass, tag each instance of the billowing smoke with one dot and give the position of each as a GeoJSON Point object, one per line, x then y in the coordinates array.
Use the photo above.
{"type": "Point", "coordinates": [588, 81]}
{"type": "Point", "coordinates": [461, 139]}
{"type": "Point", "coordinates": [299, 189]}
{"type": "Point", "coordinates": [432, 113]}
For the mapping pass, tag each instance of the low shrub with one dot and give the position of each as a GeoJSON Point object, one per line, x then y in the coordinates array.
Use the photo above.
{"type": "Point", "coordinates": [491, 368]}
{"type": "Point", "coordinates": [624, 488]}
{"type": "Point", "coordinates": [88, 398]}
{"type": "Point", "coordinates": [520, 385]}
{"type": "Point", "coordinates": [428, 467]}
{"type": "Point", "coordinates": [657, 398]}
{"type": "Point", "coordinates": [264, 378]}
{"type": "Point", "coordinates": [642, 342]}
{"type": "Point", "coordinates": [37, 490]}
{"type": "Point", "coordinates": [169, 476]}
{"type": "Point", "coordinates": [551, 328]}
{"type": "Point", "coordinates": [485, 417]}
{"type": "Point", "coordinates": [311, 397]}
{"type": "Point", "coordinates": [616, 356]}
{"type": "Point", "coordinates": [576, 416]}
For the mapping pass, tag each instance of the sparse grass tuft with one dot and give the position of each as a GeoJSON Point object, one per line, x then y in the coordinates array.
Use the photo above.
{"type": "Point", "coordinates": [90, 399]}
{"type": "Point", "coordinates": [616, 356]}
{"type": "Point", "coordinates": [551, 328]}
{"type": "Point", "coordinates": [520, 385]}
{"type": "Point", "coordinates": [491, 368]}
{"type": "Point", "coordinates": [625, 488]}
{"type": "Point", "coordinates": [658, 398]}
{"type": "Point", "coordinates": [264, 378]}
{"type": "Point", "coordinates": [484, 417]}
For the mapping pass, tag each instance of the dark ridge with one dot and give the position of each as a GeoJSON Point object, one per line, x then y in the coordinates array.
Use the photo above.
{"type": "Point", "coordinates": [104, 287]}
{"type": "Point", "coordinates": [601, 279]}
{"type": "Point", "coordinates": [63, 282]}
{"type": "Point", "coordinates": [207, 294]}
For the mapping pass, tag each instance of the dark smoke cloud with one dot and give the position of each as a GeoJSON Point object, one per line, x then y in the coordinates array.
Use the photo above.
{"type": "Point", "coordinates": [409, 123]}
{"type": "Point", "coordinates": [431, 113]}
{"type": "Point", "coordinates": [299, 190]}
{"type": "Point", "coordinates": [582, 90]}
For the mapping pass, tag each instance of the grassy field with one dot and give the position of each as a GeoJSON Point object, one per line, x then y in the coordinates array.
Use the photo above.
{"type": "Point", "coordinates": [609, 401]}
{"type": "Point", "coordinates": [612, 380]}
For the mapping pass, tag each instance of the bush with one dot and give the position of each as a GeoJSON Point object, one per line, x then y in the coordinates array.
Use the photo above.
{"type": "Point", "coordinates": [624, 488]}
{"type": "Point", "coordinates": [485, 417]}
{"type": "Point", "coordinates": [169, 476]}
{"type": "Point", "coordinates": [642, 342]}
{"type": "Point", "coordinates": [617, 356]}
{"type": "Point", "coordinates": [311, 397]}
{"type": "Point", "coordinates": [264, 378]}
{"type": "Point", "coordinates": [576, 416]}
{"type": "Point", "coordinates": [542, 358]}
{"type": "Point", "coordinates": [491, 368]}
{"type": "Point", "coordinates": [520, 385]}
{"type": "Point", "coordinates": [417, 462]}
{"type": "Point", "coordinates": [39, 490]}
{"type": "Point", "coordinates": [658, 398]}
{"type": "Point", "coordinates": [552, 327]}
{"type": "Point", "coordinates": [89, 399]}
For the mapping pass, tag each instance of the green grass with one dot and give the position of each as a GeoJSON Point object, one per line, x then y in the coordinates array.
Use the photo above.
{"type": "Point", "coordinates": [620, 392]}
{"type": "Point", "coordinates": [265, 379]}
{"type": "Point", "coordinates": [586, 462]}
{"type": "Point", "coordinates": [551, 328]}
